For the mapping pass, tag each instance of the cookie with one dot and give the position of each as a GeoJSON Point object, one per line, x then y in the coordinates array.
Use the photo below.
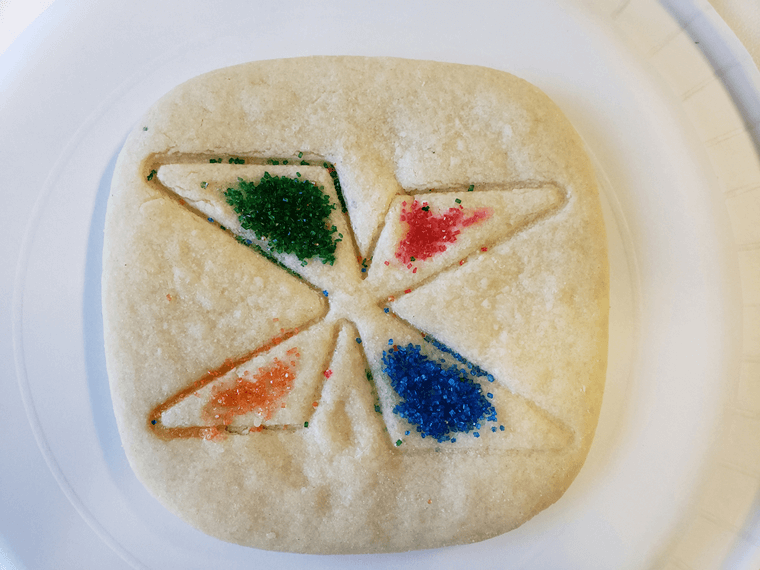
{"type": "Point", "coordinates": [355, 304]}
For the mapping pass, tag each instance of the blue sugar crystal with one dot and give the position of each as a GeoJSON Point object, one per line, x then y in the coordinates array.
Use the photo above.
{"type": "Point", "coordinates": [440, 401]}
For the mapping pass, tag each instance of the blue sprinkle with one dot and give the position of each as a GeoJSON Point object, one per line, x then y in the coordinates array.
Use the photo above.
{"type": "Point", "coordinates": [493, 429]}
{"type": "Point", "coordinates": [489, 395]}
{"type": "Point", "coordinates": [406, 432]}
{"type": "Point", "coordinates": [390, 342]}
{"type": "Point", "coordinates": [501, 428]}
{"type": "Point", "coordinates": [438, 400]}
{"type": "Point", "coordinates": [153, 422]}
{"type": "Point", "coordinates": [364, 270]}
{"type": "Point", "coordinates": [210, 219]}
{"type": "Point", "coordinates": [386, 309]}
{"type": "Point", "coordinates": [476, 434]}
{"type": "Point", "coordinates": [325, 293]}
{"type": "Point", "coordinates": [453, 440]}
{"type": "Point", "coordinates": [358, 340]}
{"type": "Point", "coordinates": [489, 378]}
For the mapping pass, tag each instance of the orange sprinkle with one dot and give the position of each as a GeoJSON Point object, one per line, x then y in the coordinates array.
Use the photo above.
{"type": "Point", "coordinates": [168, 297]}
{"type": "Point", "coordinates": [391, 299]}
{"type": "Point", "coordinates": [430, 501]}
{"type": "Point", "coordinates": [182, 202]}
{"type": "Point", "coordinates": [260, 392]}
{"type": "Point", "coordinates": [314, 404]}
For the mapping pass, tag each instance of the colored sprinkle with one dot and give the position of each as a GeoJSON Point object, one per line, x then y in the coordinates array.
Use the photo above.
{"type": "Point", "coordinates": [476, 434]}
{"type": "Point", "coordinates": [406, 432]}
{"type": "Point", "coordinates": [461, 262]}
{"type": "Point", "coordinates": [314, 404]}
{"type": "Point", "coordinates": [429, 234]}
{"type": "Point", "coordinates": [221, 227]}
{"type": "Point", "coordinates": [493, 429]}
{"type": "Point", "coordinates": [483, 248]}
{"type": "Point", "coordinates": [398, 442]}
{"type": "Point", "coordinates": [298, 174]}
{"type": "Point", "coordinates": [215, 160]}
{"type": "Point", "coordinates": [407, 290]}
{"type": "Point", "coordinates": [387, 263]}
{"type": "Point", "coordinates": [290, 214]}
{"type": "Point", "coordinates": [390, 341]}
{"type": "Point", "coordinates": [501, 428]}
{"type": "Point", "coordinates": [387, 310]}
{"type": "Point", "coordinates": [458, 201]}
{"type": "Point", "coordinates": [210, 219]}
{"type": "Point", "coordinates": [261, 392]}
{"type": "Point", "coordinates": [145, 129]}
{"type": "Point", "coordinates": [328, 373]}
{"type": "Point", "coordinates": [439, 401]}
{"type": "Point", "coordinates": [306, 424]}
{"type": "Point", "coordinates": [325, 293]}
{"type": "Point", "coordinates": [204, 184]}
{"type": "Point", "coordinates": [471, 188]}
{"type": "Point", "coordinates": [168, 297]}
{"type": "Point", "coordinates": [234, 160]}
{"type": "Point", "coordinates": [358, 340]}
{"type": "Point", "coordinates": [151, 421]}
{"type": "Point", "coordinates": [151, 175]}
{"type": "Point", "coordinates": [300, 155]}
{"type": "Point", "coordinates": [489, 395]}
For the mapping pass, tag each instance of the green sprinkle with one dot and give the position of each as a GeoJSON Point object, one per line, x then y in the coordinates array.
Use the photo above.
{"type": "Point", "coordinates": [412, 259]}
{"type": "Point", "coordinates": [458, 201]}
{"type": "Point", "coordinates": [222, 227]}
{"type": "Point", "coordinates": [306, 424]}
{"type": "Point", "coordinates": [425, 208]}
{"type": "Point", "coordinates": [304, 163]}
{"type": "Point", "coordinates": [204, 184]}
{"type": "Point", "coordinates": [284, 161]}
{"type": "Point", "coordinates": [300, 155]}
{"type": "Point", "coordinates": [234, 160]}
{"type": "Point", "coordinates": [398, 442]}
{"type": "Point", "coordinates": [145, 128]}
{"type": "Point", "coordinates": [215, 160]}
{"type": "Point", "coordinates": [151, 175]}
{"type": "Point", "coordinates": [471, 188]}
{"type": "Point", "coordinates": [291, 215]}
{"type": "Point", "coordinates": [298, 174]}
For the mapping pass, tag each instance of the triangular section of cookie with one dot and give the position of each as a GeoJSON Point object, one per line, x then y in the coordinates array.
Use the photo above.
{"type": "Point", "coordinates": [278, 387]}
{"type": "Point", "coordinates": [426, 233]}
{"type": "Point", "coordinates": [347, 416]}
{"type": "Point", "coordinates": [431, 397]}
{"type": "Point", "coordinates": [202, 186]}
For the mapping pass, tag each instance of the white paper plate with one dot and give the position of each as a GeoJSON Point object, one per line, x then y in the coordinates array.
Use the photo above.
{"type": "Point", "coordinates": [674, 473]}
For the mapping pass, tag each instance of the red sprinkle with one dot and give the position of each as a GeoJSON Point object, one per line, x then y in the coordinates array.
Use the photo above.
{"type": "Point", "coordinates": [387, 263]}
{"type": "Point", "coordinates": [428, 234]}
{"type": "Point", "coordinates": [483, 249]}
{"type": "Point", "coordinates": [328, 373]}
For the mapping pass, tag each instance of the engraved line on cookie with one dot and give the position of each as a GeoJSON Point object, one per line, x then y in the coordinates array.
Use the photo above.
{"type": "Point", "coordinates": [357, 301]}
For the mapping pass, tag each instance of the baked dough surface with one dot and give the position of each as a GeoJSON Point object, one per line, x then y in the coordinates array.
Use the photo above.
{"type": "Point", "coordinates": [520, 297]}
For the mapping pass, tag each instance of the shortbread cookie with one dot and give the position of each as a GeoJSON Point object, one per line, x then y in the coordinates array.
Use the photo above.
{"type": "Point", "coordinates": [355, 304]}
